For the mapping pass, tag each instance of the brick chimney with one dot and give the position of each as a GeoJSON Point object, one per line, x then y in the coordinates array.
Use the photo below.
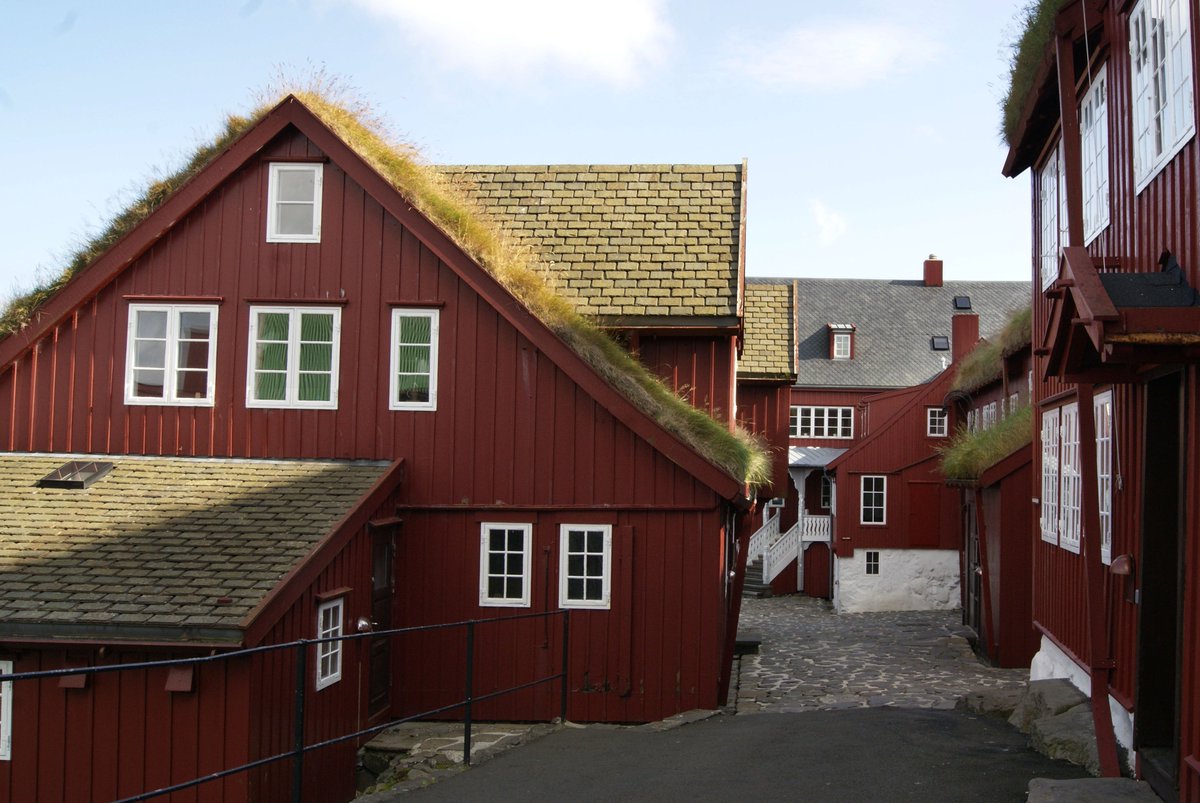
{"type": "Point", "coordinates": [964, 334]}
{"type": "Point", "coordinates": [933, 271]}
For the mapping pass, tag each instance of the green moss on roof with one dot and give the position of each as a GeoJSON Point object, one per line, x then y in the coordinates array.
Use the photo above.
{"type": "Point", "coordinates": [513, 265]}
{"type": "Point", "coordinates": [1036, 24]}
{"type": "Point", "coordinates": [969, 454]}
{"type": "Point", "coordinates": [985, 363]}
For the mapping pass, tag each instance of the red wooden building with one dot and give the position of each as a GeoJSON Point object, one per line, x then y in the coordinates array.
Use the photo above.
{"type": "Point", "coordinates": [864, 347]}
{"type": "Point", "coordinates": [1107, 130]}
{"type": "Point", "coordinates": [291, 303]}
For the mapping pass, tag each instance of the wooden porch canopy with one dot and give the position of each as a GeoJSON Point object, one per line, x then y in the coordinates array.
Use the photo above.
{"type": "Point", "coordinates": [1107, 326]}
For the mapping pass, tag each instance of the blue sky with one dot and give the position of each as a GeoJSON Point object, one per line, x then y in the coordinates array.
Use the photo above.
{"type": "Point", "coordinates": [870, 126]}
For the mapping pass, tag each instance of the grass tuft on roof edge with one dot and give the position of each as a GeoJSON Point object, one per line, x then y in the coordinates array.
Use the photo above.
{"type": "Point", "coordinates": [970, 453]}
{"type": "Point", "coordinates": [1036, 25]}
{"type": "Point", "coordinates": [516, 267]}
{"type": "Point", "coordinates": [985, 363]}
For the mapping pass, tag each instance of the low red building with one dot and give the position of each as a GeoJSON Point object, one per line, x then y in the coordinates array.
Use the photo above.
{"type": "Point", "coordinates": [480, 455]}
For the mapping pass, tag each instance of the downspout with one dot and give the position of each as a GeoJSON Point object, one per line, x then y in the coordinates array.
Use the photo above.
{"type": "Point", "coordinates": [1099, 653]}
{"type": "Point", "coordinates": [1099, 650]}
{"type": "Point", "coordinates": [740, 523]}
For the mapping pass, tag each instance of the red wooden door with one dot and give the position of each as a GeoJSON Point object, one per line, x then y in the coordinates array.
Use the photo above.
{"type": "Point", "coordinates": [816, 571]}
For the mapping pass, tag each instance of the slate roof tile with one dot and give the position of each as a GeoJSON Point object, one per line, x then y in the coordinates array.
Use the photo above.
{"type": "Point", "coordinates": [769, 351]}
{"type": "Point", "coordinates": [151, 542]}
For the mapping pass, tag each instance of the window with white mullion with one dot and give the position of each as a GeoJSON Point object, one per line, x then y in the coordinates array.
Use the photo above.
{"type": "Point", "coordinates": [1071, 486]}
{"type": "Point", "coordinates": [1102, 406]}
{"type": "Point", "coordinates": [936, 422]}
{"type": "Point", "coordinates": [294, 202]}
{"type": "Point", "coordinates": [504, 570]}
{"type": "Point", "coordinates": [414, 356]}
{"type": "Point", "coordinates": [1161, 63]}
{"type": "Point", "coordinates": [794, 422]}
{"type": "Point", "coordinates": [841, 346]}
{"type": "Point", "coordinates": [6, 709]}
{"type": "Point", "coordinates": [1049, 502]}
{"type": "Point", "coordinates": [585, 562]}
{"type": "Point", "coordinates": [329, 653]}
{"type": "Point", "coordinates": [823, 422]}
{"type": "Point", "coordinates": [1093, 121]}
{"type": "Point", "coordinates": [873, 508]}
{"type": "Point", "coordinates": [171, 354]}
{"type": "Point", "coordinates": [294, 357]}
{"type": "Point", "coordinates": [1048, 217]}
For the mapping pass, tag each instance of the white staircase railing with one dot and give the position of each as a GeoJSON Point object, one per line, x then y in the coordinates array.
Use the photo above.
{"type": "Point", "coordinates": [778, 555]}
{"type": "Point", "coordinates": [815, 528]}
{"type": "Point", "coordinates": [766, 535]}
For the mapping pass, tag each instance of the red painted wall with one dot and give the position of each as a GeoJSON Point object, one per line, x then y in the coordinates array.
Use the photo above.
{"type": "Point", "coordinates": [700, 368]}
{"type": "Point", "coordinates": [763, 410]}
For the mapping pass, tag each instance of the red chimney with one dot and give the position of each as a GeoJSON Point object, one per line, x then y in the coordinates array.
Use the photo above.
{"type": "Point", "coordinates": [933, 271]}
{"type": "Point", "coordinates": [964, 334]}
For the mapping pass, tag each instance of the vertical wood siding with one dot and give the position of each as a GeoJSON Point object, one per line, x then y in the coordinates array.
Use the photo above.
{"type": "Point", "coordinates": [764, 410]}
{"type": "Point", "coordinates": [123, 733]}
{"type": "Point", "coordinates": [702, 369]}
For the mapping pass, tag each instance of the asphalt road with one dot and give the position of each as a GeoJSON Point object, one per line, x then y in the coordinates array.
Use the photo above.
{"type": "Point", "coordinates": [863, 754]}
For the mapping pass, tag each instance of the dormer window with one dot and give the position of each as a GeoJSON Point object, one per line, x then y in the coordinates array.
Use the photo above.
{"type": "Point", "coordinates": [294, 203]}
{"type": "Point", "coordinates": [841, 341]}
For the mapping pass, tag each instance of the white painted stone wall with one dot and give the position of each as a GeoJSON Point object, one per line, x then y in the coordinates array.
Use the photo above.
{"type": "Point", "coordinates": [1051, 662]}
{"type": "Point", "coordinates": [908, 580]}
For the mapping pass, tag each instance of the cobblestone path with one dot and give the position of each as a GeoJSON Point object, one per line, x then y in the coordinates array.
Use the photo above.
{"type": "Point", "coordinates": [813, 659]}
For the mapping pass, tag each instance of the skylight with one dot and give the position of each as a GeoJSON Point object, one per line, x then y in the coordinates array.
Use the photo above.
{"type": "Point", "coordinates": [962, 302]}
{"type": "Point", "coordinates": [939, 343]}
{"type": "Point", "coordinates": [75, 474]}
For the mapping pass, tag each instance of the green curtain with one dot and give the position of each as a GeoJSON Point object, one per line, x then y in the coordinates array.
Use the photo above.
{"type": "Point", "coordinates": [316, 356]}
{"type": "Point", "coordinates": [271, 356]}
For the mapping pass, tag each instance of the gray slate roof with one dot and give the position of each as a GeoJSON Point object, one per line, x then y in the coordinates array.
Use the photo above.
{"type": "Point", "coordinates": [812, 456]}
{"type": "Point", "coordinates": [894, 321]}
{"type": "Point", "coordinates": [181, 548]}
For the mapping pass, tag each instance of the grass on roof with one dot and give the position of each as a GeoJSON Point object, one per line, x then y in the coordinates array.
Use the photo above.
{"type": "Point", "coordinates": [969, 454]}
{"type": "Point", "coordinates": [516, 267]}
{"type": "Point", "coordinates": [985, 363]}
{"type": "Point", "coordinates": [1035, 24]}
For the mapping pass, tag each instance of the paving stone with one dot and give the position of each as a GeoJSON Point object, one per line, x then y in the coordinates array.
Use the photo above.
{"type": "Point", "coordinates": [1045, 698]}
{"type": "Point", "coordinates": [813, 659]}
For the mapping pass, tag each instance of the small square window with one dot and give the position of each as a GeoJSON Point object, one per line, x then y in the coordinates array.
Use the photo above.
{"type": "Point", "coordinates": [841, 345]}
{"type": "Point", "coordinates": [504, 557]}
{"type": "Point", "coordinates": [585, 560]}
{"type": "Point", "coordinates": [872, 562]}
{"type": "Point", "coordinates": [939, 343]}
{"type": "Point", "coordinates": [962, 302]}
{"type": "Point", "coordinates": [329, 653]}
{"type": "Point", "coordinates": [936, 422]}
{"type": "Point", "coordinates": [171, 353]}
{"type": "Point", "coordinates": [294, 203]}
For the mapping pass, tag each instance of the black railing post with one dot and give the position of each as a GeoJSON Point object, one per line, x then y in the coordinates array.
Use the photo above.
{"type": "Point", "coordinates": [298, 725]}
{"type": "Point", "coordinates": [566, 634]}
{"type": "Point", "coordinates": [470, 693]}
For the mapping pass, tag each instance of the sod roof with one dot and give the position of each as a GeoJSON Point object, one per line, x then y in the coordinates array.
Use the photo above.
{"type": "Point", "coordinates": [502, 254]}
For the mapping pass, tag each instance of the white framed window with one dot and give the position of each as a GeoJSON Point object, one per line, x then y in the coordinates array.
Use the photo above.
{"type": "Point", "coordinates": [841, 345]}
{"type": "Point", "coordinates": [872, 562]}
{"type": "Point", "coordinates": [989, 415]}
{"type": "Point", "coordinates": [936, 422]}
{"type": "Point", "coordinates": [1160, 49]}
{"type": "Point", "coordinates": [1093, 124]}
{"type": "Point", "coordinates": [1052, 215]}
{"type": "Point", "coordinates": [1102, 407]}
{"type": "Point", "coordinates": [1049, 501]}
{"type": "Point", "coordinates": [822, 422]}
{"type": "Point", "coordinates": [6, 708]}
{"type": "Point", "coordinates": [1014, 401]}
{"type": "Point", "coordinates": [1070, 478]}
{"type": "Point", "coordinates": [826, 492]}
{"type": "Point", "coordinates": [293, 358]}
{"type": "Point", "coordinates": [504, 557]}
{"type": "Point", "coordinates": [329, 653]}
{"type": "Point", "coordinates": [585, 566]}
{"type": "Point", "coordinates": [170, 356]}
{"type": "Point", "coordinates": [294, 202]}
{"type": "Point", "coordinates": [874, 500]}
{"type": "Point", "coordinates": [970, 420]}
{"type": "Point", "coordinates": [413, 379]}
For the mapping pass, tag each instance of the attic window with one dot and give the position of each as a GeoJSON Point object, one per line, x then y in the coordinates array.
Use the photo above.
{"type": "Point", "coordinates": [939, 343]}
{"type": "Point", "coordinates": [841, 341]}
{"type": "Point", "coordinates": [75, 474]}
{"type": "Point", "coordinates": [294, 203]}
{"type": "Point", "coordinates": [962, 302]}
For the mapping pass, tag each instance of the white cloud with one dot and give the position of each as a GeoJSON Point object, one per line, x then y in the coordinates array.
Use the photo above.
{"type": "Point", "coordinates": [612, 40]}
{"type": "Point", "coordinates": [831, 225]}
{"type": "Point", "coordinates": [832, 55]}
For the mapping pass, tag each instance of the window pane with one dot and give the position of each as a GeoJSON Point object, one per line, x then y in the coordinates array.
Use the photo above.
{"type": "Point", "coordinates": [316, 327]}
{"type": "Point", "coordinates": [193, 354]}
{"type": "Point", "coordinates": [194, 325]}
{"type": "Point", "coordinates": [148, 384]}
{"type": "Point", "coordinates": [595, 541]}
{"type": "Point", "coordinates": [412, 359]}
{"type": "Point", "coordinates": [516, 540]}
{"type": "Point", "coordinates": [412, 388]}
{"type": "Point", "coordinates": [151, 324]}
{"type": "Point", "coordinates": [271, 356]}
{"type": "Point", "coordinates": [273, 326]}
{"type": "Point", "coordinates": [575, 589]}
{"type": "Point", "coordinates": [314, 387]}
{"type": "Point", "coordinates": [495, 563]}
{"type": "Point", "coordinates": [574, 565]}
{"type": "Point", "coordinates": [150, 354]}
{"type": "Point", "coordinates": [415, 328]}
{"type": "Point", "coordinates": [191, 384]}
{"type": "Point", "coordinates": [270, 386]}
{"type": "Point", "coordinates": [595, 565]}
{"type": "Point", "coordinates": [496, 540]}
{"type": "Point", "coordinates": [595, 589]}
{"type": "Point", "coordinates": [496, 587]}
{"type": "Point", "coordinates": [512, 588]}
{"type": "Point", "coordinates": [316, 356]}
{"type": "Point", "coordinates": [296, 184]}
{"type": "Point", "coordinates": [515, 562]}
{"type": "Point", "coordinates": [575, 541]}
